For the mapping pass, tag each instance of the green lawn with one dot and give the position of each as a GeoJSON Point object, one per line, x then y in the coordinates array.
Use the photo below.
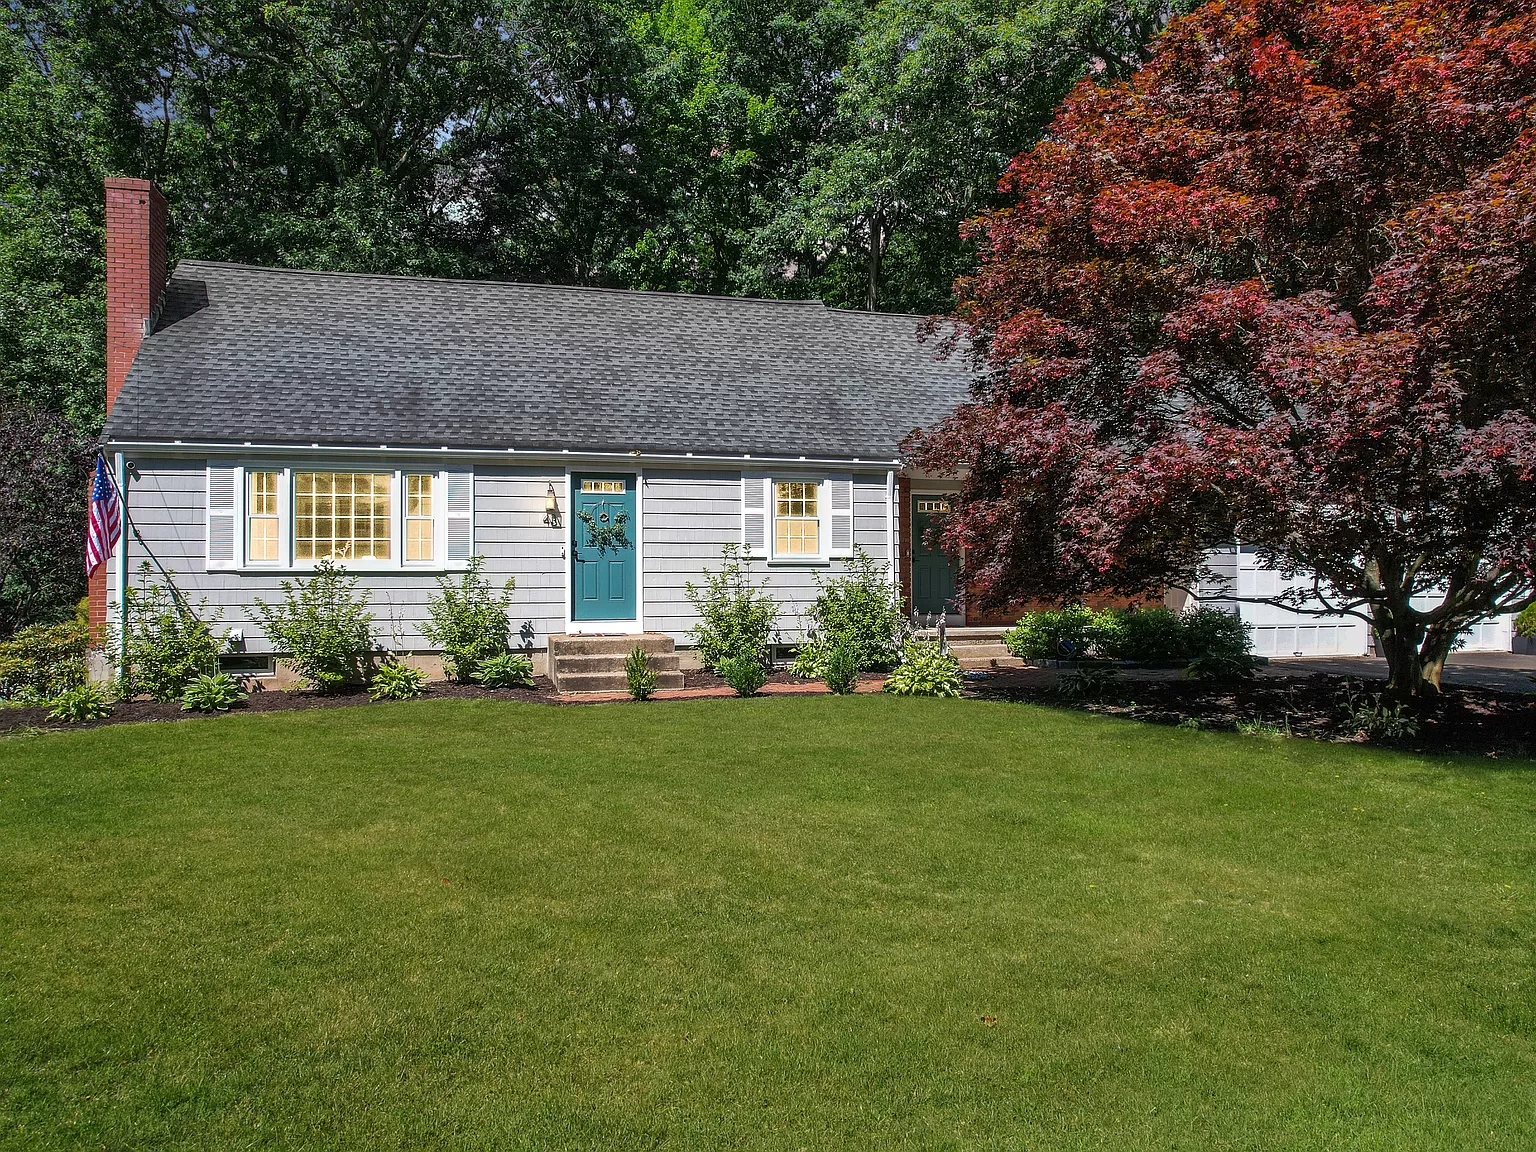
{"type": "Point", "coordinates": [808, 923]}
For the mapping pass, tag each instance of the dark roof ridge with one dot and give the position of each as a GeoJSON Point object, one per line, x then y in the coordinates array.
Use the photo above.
{"type": "Point", "coordinates": [516, 284]}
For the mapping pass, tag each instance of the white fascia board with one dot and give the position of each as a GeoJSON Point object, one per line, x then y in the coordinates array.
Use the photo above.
{"type": "Point", "coordinates": [490, 455]}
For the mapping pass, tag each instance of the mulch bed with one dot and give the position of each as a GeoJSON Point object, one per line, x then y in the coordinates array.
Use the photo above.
{"type": "Point", "coordinates": [698, 683]}
{"type": "Point", "coordinates": [1463, 719]}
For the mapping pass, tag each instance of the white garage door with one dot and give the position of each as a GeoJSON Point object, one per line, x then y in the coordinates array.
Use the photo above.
{"type": "Point", "coordinates": [1281, 632]}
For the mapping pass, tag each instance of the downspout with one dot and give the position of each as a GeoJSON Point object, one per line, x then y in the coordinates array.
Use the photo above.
{"type": "Point", "coordinates": [890, 525]}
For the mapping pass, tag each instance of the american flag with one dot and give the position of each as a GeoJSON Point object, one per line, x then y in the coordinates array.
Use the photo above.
{"type": "Point", "coordinates": [104, 525]}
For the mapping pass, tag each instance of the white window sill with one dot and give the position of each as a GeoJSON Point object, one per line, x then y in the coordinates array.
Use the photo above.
{"type": "Point", "coordinates": [350, 569]}
{"type": "Point", "coordinates": [799, 562]}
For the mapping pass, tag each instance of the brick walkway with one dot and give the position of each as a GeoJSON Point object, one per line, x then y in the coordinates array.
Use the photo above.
{"type": "Point", "coordinates": [812, 689]}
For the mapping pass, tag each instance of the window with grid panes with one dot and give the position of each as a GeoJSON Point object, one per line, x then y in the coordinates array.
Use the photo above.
{"type": "Point", "coordinates": [341, 515]}
{"type": "Point", "coordinates": [262, 533]}
{"type": "Point", "coordinates": [419, 531]}
{"type": "Point", "coordinates": [796, 518]}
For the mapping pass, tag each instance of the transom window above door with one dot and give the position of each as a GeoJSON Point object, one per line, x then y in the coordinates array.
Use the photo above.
{"type": "Point", "coordinates": [938, 506]}
{"type": "Point", "coordinates": [612, 487]}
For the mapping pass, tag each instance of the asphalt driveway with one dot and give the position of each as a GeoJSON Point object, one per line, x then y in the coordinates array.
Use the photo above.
{"type": "Point", "coordinates": [1500, 671]}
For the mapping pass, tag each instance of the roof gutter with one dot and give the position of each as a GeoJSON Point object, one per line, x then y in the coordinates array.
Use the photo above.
{"type": "Point", "coordinates": [532, 455]}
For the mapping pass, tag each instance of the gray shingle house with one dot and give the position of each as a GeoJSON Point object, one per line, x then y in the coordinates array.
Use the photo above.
{"type": "Point", "coordinates": [266, 419]}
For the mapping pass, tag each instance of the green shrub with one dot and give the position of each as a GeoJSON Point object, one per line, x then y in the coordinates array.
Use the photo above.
{"type": "Point", "coordinates": [1369, 715]}
{"type": "Point", "coordinates": [860, 611]}
{"type": "Point", "coordinates": [508, 670]}
{"type": "Point", "coordinates": [43, 660]}
{"type": "Point", "coordinates": [735, 615]}
{"type": "Point", "coordinates": [745, 673]}
{"type": "Point", "coordinates": [217, 693]}
{"type": "Point", "coordinates": [925, 670]}
{"type": "Point", "coordinates": [1221, 667]}
{"type": "Point", "coordinates": [324, 625]}
{"type": "Point", "coordinates": [1067, 634]}
{"type": "Point", "coordinates": [1213, 632]}
{"type": "Point", "coordinates": [1142, 634]}
{"type": "Point", "coordinates": [397, 682]}
{"type": "Point", "coordinates": [1525, 623]}
{"type": "Point", "coordinates": [841, 670]}
{"type": "Point", "coordinates": [169, 644]}
{"type": "Point", "coordinates": [467, 619]}
{"type": "Point", "coordinates": [637, 672]}
{"type": "Point", "coordinates": [82, 702]}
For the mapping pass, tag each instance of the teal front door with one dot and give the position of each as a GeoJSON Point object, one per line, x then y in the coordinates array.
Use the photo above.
{"type": "Point", "coordinates": [933, 572]}
{"type": "Point", "coordinates": [603, 531]}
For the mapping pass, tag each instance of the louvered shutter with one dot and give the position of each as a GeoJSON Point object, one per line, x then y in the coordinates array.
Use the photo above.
{"type": "Point", "coordinates": [754, 515]}
{"type": "Point", "coordinates": [840, 516]}
{"type": "Point", "coordinates": [459, 493]}
{"type": "Point", "coordinates": [223, 516]}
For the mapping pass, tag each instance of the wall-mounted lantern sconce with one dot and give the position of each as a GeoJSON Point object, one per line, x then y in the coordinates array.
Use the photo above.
{"type": "Point", "coordinates": [551, 508]}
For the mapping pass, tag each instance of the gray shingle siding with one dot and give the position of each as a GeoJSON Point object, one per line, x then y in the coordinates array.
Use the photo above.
{"type": "Point", "coordinates": [687, 517]}
{"type": "Point", "coordinates": [274, 356]}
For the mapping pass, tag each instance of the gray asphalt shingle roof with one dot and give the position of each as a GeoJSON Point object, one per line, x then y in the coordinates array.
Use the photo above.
{"type": "Point", "coordinates": [271, 355]}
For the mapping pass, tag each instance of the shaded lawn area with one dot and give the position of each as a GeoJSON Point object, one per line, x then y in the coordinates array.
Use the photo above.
{"type": "Point", "coordinates": [822, 922]}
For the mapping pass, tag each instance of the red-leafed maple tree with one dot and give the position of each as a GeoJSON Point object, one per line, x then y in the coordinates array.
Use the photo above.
{"type": "Point", "coordinates": [1280, 287]}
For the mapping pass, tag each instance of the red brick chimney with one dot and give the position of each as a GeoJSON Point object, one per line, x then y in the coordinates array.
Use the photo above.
{"type": "Point", "coordinates": [135, 272]}
{"type": "Point", "coordinates": [136, 218]}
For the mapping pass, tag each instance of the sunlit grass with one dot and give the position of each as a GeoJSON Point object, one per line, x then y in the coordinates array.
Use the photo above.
{"type": "Point", "coordinates": [780, 923]}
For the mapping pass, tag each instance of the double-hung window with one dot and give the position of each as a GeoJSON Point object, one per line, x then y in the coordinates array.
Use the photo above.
{"type": "Point", "coordinates": [796, 518]}
{"type": "Point", "coordinates": [364, 518]}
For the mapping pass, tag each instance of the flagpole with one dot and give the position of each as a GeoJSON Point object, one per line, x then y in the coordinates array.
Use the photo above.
{"type": "Point", "coordinates": [120, 479]}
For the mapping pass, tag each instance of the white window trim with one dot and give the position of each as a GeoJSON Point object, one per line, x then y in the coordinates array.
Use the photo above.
{"type": "Point", "coordinates": [289, 564]}
{"type": "Point", "coordinates": [824, 516]}
{"type": "Point", "coordinates": [823, 524]}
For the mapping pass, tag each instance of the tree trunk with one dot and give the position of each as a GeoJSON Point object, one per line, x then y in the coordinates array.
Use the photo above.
{"type": "Point", "coordinates": [1415, 655]}
{"type": "Point", "coordinates": [876, 251]}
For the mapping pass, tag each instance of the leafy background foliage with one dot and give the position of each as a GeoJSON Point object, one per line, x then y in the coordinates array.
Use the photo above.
{"type": "Point", "coordinates": [814, 148]}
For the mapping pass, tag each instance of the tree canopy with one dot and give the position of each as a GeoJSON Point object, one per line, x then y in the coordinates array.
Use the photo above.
{"type": "Point", "coordinates": [1279, 285]}
{"type": "Point", "coordinates": [800, 148]}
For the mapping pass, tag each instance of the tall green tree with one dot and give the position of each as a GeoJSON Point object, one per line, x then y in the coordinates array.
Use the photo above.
{"type": "Point", "coordinates": [801, 148]}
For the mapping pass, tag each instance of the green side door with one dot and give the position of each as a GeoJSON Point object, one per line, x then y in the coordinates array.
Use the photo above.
{"type": "Point", "coordinates": [933, 572]}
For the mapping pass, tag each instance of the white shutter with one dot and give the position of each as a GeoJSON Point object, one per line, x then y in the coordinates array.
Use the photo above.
{"type": "Point", "coordinates": [840, 516]}
{"type": "Point", "coordinates": [754, 515]}
{"type": "Point", "coordinates": [223, 516]}
{"type": "Point", "coordinates": [459, 501]}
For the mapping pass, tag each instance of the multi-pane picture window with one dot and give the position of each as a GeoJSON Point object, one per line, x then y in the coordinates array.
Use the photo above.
{"type": "Point", "coordinates": [341, 515]}
{"type": "Point", "coordinates": [262, 516]}
{"type": "Point", "coordinates": [419, 531]}
{"type": "Point", "coordinates": [796, 518]}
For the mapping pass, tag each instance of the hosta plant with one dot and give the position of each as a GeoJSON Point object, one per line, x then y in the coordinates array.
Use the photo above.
{"type": "Point", "coordinates": [397, 682]}
{"type": "Point", "coordinates": [508, 670]}
{"type": "Point", "coordinates": [925, 670]}
{"type": "Point", "coordinates": [83, 702]}
{"type": "Point", "coordinates": [218, 693]}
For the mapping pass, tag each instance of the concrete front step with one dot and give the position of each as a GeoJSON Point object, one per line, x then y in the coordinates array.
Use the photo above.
{"type": "Point", "coordinates": [612, 681]}
{"type": "Point", "coordinates": [574, 645]}
{"type": "Point", "coordinates": [970, 663]}
{"type": "Point", "coordinates": [609, 661]}
{"type": "Point", "coordinates": [596, 663]}
{"type": "Point", "coordinates": [987, 648]}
